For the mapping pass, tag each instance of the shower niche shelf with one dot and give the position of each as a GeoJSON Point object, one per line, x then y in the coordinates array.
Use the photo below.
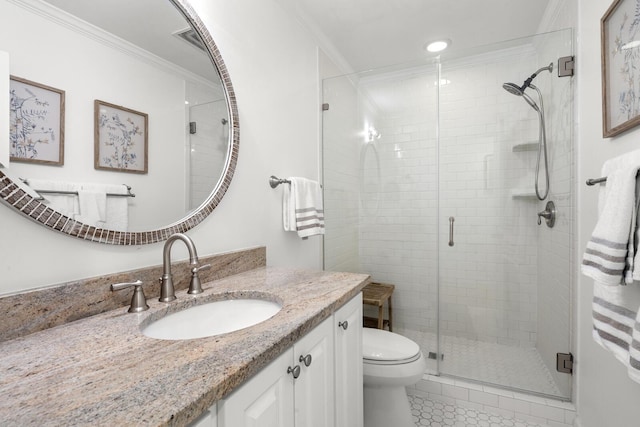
{"type": "Point", "coordinates": [525, 146]}
{"type": "Point", "coordinates": [523, 193]}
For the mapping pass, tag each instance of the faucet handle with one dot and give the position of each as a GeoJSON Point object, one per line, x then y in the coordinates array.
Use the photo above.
{"type": "Point", "coordinates": [195, 286]}
{"type": "Point", "coordinates": [202, 267]}
{"type": "Point", "coordinates": [138, 300]}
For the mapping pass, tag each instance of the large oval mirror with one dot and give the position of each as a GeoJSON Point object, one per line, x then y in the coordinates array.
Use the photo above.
{"type": "Point", "coordinates": [148, 136]}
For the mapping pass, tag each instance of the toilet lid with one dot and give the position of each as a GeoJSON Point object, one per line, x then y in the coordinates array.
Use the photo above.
{"type": "Point", "coordinates": [380, 345]}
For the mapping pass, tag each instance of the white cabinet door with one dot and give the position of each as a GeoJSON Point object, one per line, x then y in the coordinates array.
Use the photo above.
{"type": "Point", "coordinates": [314, 390]}
{"type": "Point", "coordinates": [266, 400]}
{"type": "Point", "coordinates": [327, 393]}
{"type": "Point", "coordinates": [348, 366]}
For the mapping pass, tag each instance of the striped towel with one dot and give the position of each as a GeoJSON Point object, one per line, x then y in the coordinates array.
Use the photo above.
{"type": "Point", "coordinates": [605, 258]}
{"type": "Point", "coordinates": [609, 259]}
{"type": "Point", "coordinates": [302, 209]}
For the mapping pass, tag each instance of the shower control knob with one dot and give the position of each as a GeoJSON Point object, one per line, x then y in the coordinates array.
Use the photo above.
{"type": "Point", "coordinates": [549, 215]}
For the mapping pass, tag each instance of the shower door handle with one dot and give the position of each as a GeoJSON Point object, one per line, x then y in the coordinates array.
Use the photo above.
{"type": "Point", "coordinates": [451, 220]}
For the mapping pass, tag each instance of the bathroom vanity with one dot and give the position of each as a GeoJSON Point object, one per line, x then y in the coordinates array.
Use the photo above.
{"type": "Point", "coordinates": [101, 370]}
{"type": "Point", "coordinates": [297, 389]}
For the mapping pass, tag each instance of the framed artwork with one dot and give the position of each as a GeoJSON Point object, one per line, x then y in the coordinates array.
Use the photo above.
{"type": "Point", "coordinates": [620, 67]}
{"type": "Point", "coordinates": [36, 122]}
{"type": "Point", "coordinates": [121, 138]}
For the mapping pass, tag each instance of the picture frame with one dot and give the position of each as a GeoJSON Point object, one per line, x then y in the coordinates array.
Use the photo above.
{"type": "Point", "coordinates": [620, 52]}
{"type": "Point", "coordinates": [36, 122]}
{"type": "Point", "coordinates": [120, 139]}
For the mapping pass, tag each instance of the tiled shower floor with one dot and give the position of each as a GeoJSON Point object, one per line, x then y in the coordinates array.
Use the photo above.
{"type": "Point", "coordinates": [515, 367]}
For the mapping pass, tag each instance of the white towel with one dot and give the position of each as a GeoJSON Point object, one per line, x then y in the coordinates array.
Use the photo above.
{"type": "Point", "coordinates": [93, 207]}
{"type": "Point", "coordinates": [606, 253]}
{"type": "Point", "coordinates": [611, 258]}
{"type": "Point", "coordinates": [302, 209]}
{"type": "Point", "coordinates": [66, 204]}
{"type": "Point", "coordinates": [117, 214]}
{"type": "Point", "coordinates": [102, 210]}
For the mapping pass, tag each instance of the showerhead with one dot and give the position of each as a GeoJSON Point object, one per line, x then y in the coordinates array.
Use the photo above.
{"type": "Point", "coordinates": [513, 89]}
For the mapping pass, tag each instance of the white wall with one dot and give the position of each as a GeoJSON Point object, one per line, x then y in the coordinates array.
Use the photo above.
{"type": "Point", "coordinates": [605, 395]}
{"type": "Point", "coordinates": [273, 67]}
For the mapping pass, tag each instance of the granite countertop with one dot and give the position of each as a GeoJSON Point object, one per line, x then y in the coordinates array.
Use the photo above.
{"type": "Point", "coordinates": [102, 371]}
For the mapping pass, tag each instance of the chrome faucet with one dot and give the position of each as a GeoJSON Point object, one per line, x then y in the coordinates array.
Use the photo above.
{"type": "Point", "coordinates": [167, 291]}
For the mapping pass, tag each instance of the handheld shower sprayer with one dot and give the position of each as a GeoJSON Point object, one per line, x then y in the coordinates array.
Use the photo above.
{"type": "Point", "coordinates": [514, 89]}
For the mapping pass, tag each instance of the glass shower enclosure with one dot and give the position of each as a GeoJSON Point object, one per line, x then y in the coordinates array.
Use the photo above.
{"type": "Point", "coordinates": [428, 173]}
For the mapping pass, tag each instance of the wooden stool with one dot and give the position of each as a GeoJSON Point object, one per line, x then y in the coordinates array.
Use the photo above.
{"type": "Point", "coordinates": [376, 294]}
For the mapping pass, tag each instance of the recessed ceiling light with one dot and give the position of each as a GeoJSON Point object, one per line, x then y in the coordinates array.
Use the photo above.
{"type": "Point", "coordinates": [437, 45]}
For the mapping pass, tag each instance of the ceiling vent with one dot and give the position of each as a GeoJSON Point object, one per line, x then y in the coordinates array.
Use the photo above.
{"type": "Point", "coordinates": [191, 37]}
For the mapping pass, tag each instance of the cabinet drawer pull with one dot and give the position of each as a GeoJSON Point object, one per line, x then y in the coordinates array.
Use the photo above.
{"type": "Point", "coordinates": [295, 371]}
{"type": "Point", "coordinates": [344, 325]}
{"type": "Point", "coordinates": [305, 359]}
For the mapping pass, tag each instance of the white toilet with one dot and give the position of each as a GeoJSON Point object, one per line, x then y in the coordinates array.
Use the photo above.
{"type": "Point", "coordinates": [390, 363]}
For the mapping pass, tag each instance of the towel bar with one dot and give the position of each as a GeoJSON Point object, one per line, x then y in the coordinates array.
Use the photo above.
{"type": "Point", "coordinates": [75, 193]}
{"type": "Point", "coordinates": [594, 181]}
{"type": "Point", "coordinates": [274, 181]}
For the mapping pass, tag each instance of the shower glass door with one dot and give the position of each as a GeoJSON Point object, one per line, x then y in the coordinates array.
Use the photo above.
{"type": "Point", "coordinates": [504, 280]}
{"type": "Point", "coordinates": [407, 148]}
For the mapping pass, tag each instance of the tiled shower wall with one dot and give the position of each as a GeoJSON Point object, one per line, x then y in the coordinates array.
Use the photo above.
{"type": "Point", "coordinates": [398, 241]}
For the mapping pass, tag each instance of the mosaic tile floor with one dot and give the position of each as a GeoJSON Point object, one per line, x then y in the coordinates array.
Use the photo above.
{"type": "Point", "coordinates": [516, 367]}
{"type": "Point", "coordinates": [437, 414]}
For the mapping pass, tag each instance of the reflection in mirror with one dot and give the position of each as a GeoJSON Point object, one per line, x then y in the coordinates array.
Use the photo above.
{"type": "Point", "coordinates": [167, 68]}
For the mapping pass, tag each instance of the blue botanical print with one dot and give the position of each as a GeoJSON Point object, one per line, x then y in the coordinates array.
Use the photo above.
{"type": "Point", "coordinates": [625, 44]}
{"type": "Point", "coordinates": [119, 135]}
{"type": "Point", "coordinates": [26, 115]}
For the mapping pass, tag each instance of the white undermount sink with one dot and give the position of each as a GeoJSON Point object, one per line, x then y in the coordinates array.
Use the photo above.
{"type": "Point", "coordinates": [213, 318]}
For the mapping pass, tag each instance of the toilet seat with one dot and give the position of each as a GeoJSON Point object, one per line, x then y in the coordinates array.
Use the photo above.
{"type": "Point", "coordinates": [381, 347]}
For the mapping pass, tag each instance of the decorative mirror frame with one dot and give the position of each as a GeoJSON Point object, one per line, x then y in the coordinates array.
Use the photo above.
{"type": "Point", "coordinates": [15, 196]}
